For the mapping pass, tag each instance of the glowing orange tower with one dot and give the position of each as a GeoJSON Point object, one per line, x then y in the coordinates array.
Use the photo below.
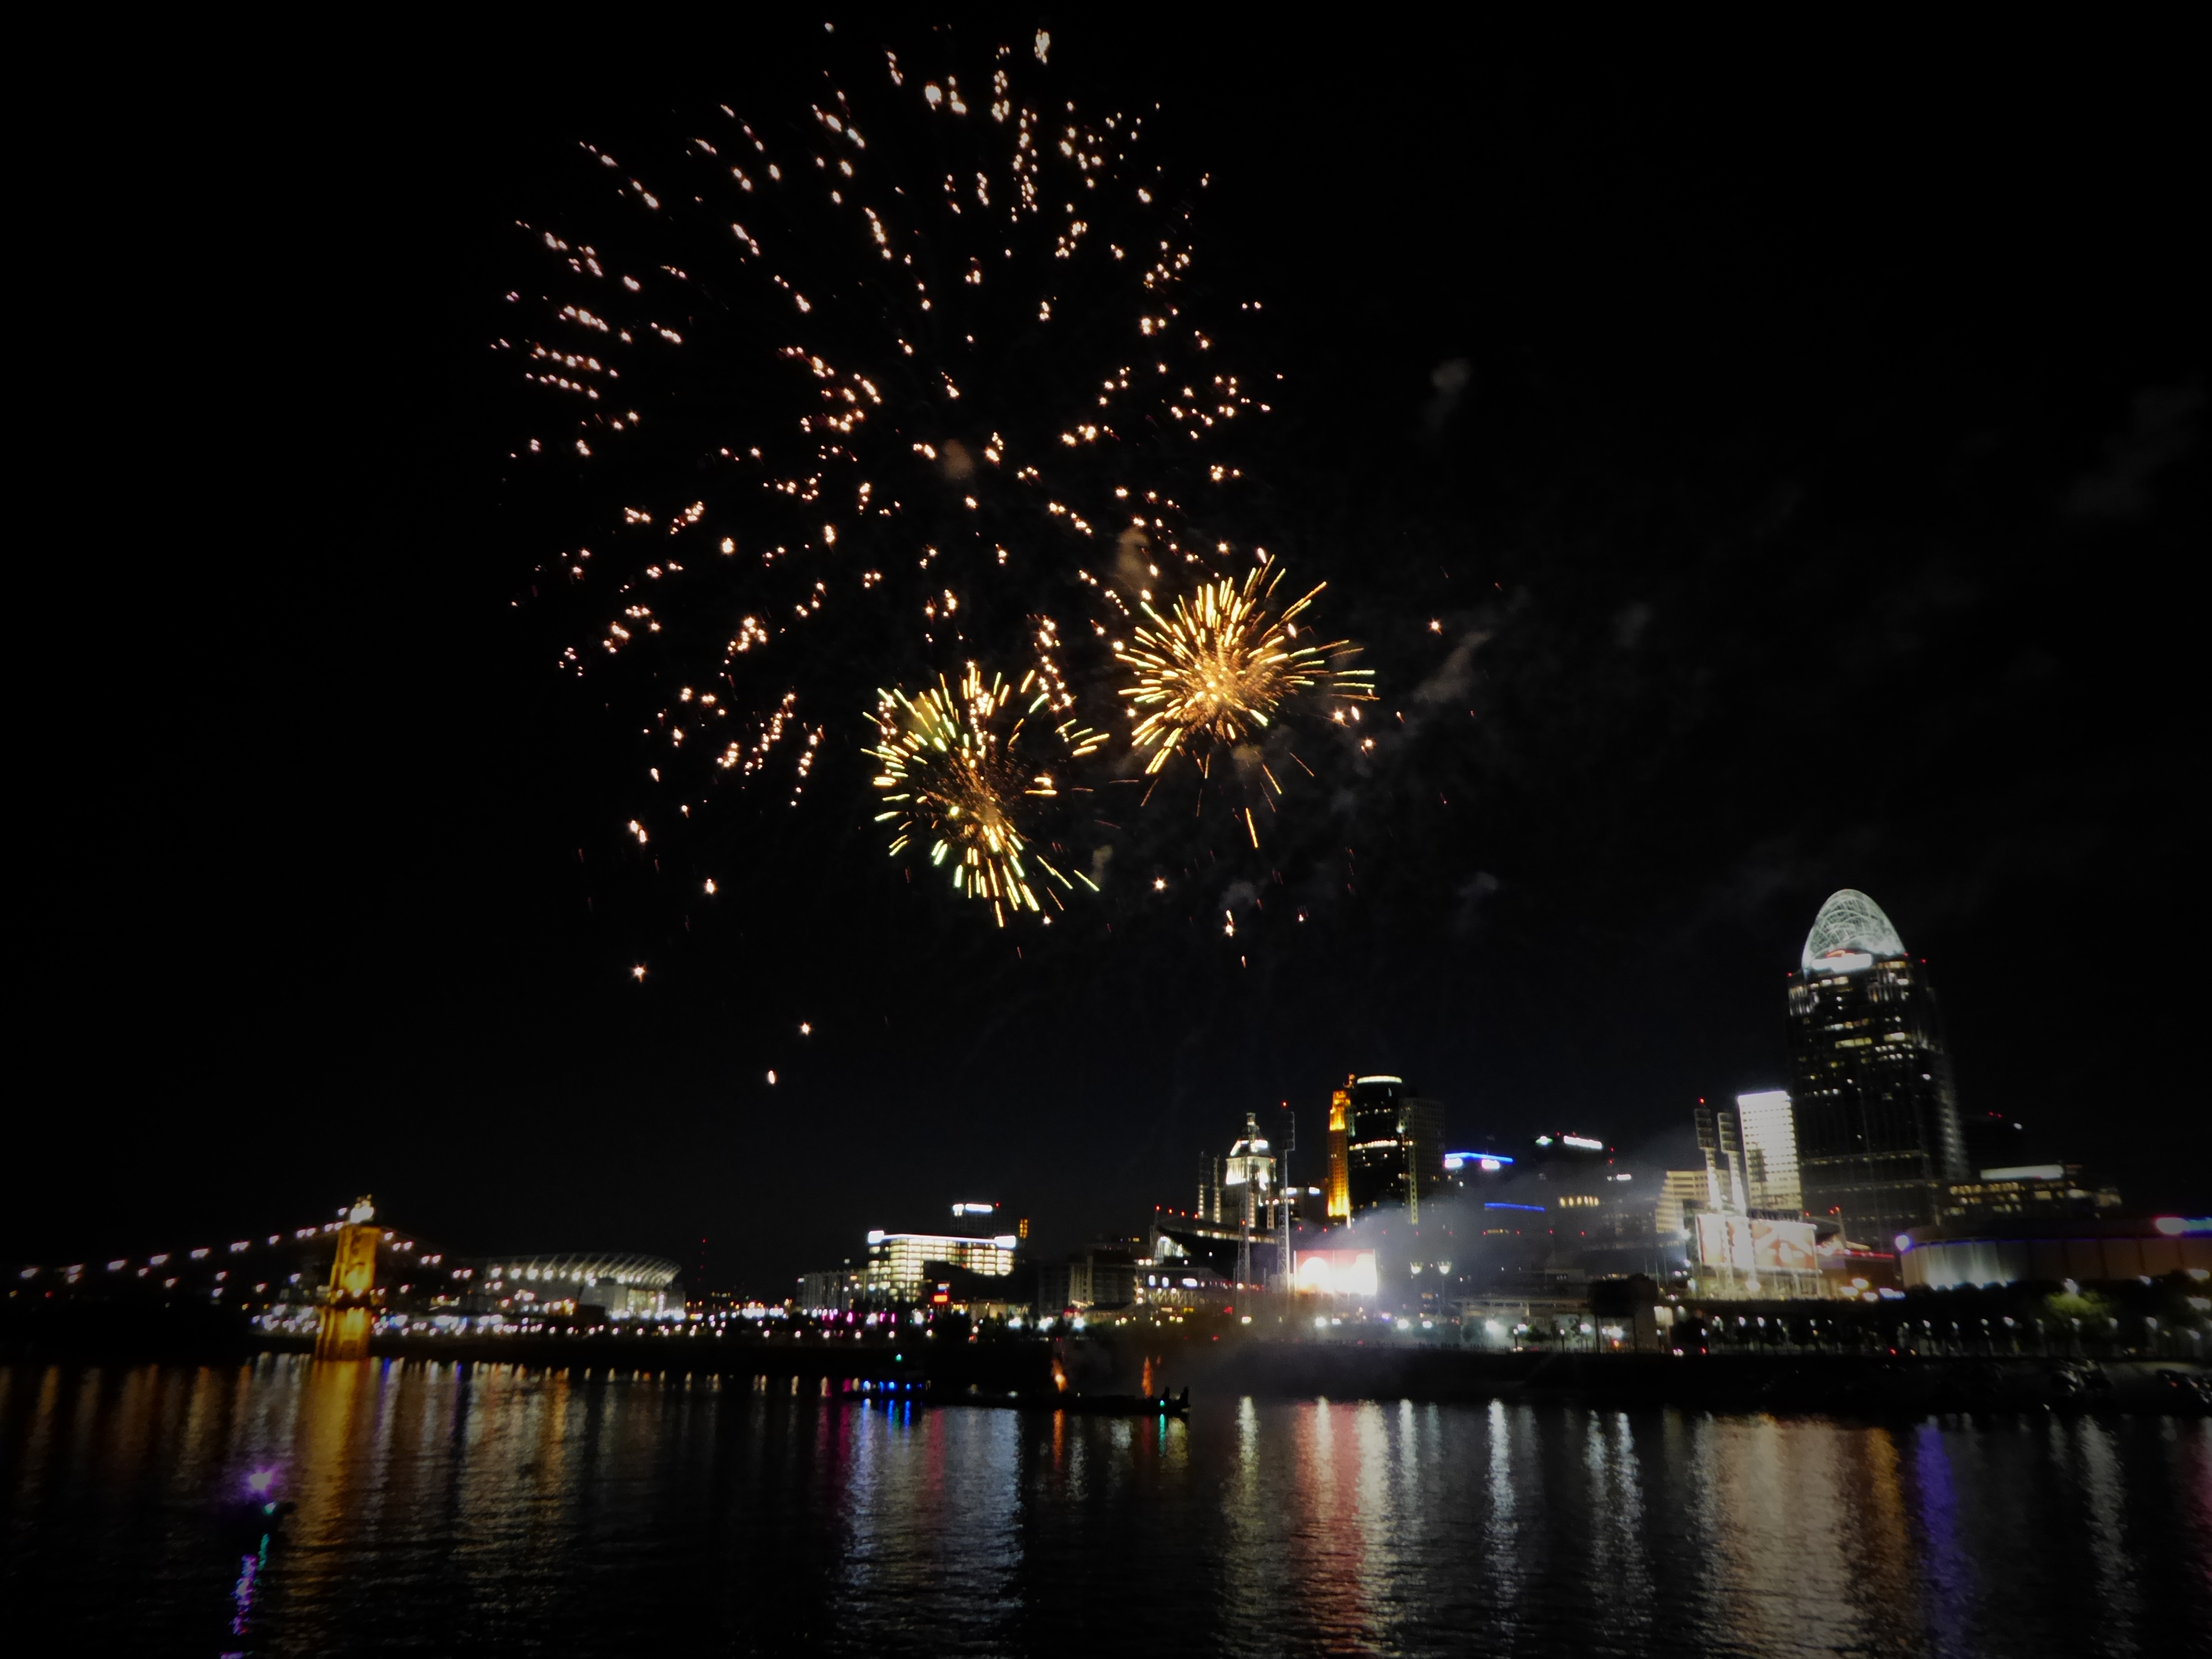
{"type": "Point", "coordinates": [349, 1302]}
{"type": "Point", "coordinates": [1340, 1156]}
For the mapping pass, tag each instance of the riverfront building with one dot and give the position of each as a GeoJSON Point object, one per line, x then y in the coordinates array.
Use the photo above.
{"type": "Point", "coordinates": [1770, 1151]}
{"type": "Point", "coordinates": [902, 1266]}
{"type": "Point", "coordinates": [1244, 1202]}
{"type": "Point", "coordinates": [2086, 1248]}
{"type": "Point", "coordinates": [616, 1285]}
{"type": "Point", "coordinates": [1875, 1116]}
{"type": "Point", "coordinates": [2029, 1192]}
{"type": "Point", "coordinates": [1096, 1277]}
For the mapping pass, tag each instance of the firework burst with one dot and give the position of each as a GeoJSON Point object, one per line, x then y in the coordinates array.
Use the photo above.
{"type": "Point", "coordinates": [911, 371]}
{"type": "Point", "coordinates": [908, 371]}
{"type": "Point", "coordinates": [954, 781]}
{"type": "Point", "coordinates": [1214, 673]}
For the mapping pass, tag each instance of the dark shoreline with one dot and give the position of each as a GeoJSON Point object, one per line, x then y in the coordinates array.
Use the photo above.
{"type": "Point", "coordinates": [1856, 1384]}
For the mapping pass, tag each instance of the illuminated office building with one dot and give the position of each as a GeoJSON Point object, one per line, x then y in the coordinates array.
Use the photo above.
{"type": "Point", "coordinates": [901, 1264]}
{"type": "Point", "coordinates": [1770, 1150]}
{"type": "Point", "coordinates": [2038, 1191]}
{"type": "Point", "coordinates": [1395, 1143]}
{"type": "Point", "coordinates": [1878, 1134]}
{"type": "Point", "coordinates": [1751, 1154]}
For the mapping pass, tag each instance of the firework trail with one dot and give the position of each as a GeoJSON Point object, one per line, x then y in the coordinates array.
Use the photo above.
{"type": "Point", "coordinates": [911, 376]}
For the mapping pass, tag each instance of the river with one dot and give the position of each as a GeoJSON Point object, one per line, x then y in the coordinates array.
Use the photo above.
{"type": "Point", "coordinates": [444, 1510]}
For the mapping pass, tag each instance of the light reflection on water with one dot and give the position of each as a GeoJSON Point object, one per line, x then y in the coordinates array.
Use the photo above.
{"type": "Point", "coordinates": [442, 1512]}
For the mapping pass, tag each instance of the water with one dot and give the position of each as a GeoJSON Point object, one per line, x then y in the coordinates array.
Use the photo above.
{"type": "Point", "coordinates": [498, 1512]}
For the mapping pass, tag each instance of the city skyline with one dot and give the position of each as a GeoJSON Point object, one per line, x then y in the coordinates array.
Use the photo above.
{"type": "Point", "coordinates": [906, 833]}
{"type": "Point", "coordinates": [1846, 921]}
{"type": "Point", "coordinates": [1629, 587]}
{"type": "Point", "coordinates": [1380, 1132]}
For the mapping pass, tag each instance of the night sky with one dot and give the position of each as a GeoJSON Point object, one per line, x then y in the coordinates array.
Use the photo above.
{"type": "Point", "coordinates": [1800, 451]}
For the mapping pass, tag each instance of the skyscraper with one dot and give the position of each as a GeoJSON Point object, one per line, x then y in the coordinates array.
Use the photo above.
{"type": "Point", "coordinates": [1338, 1203]}
{"type": "Point", "coordinates": [1877, 1118]}
{"type": "Point", "coordinates": [1394, 1150]}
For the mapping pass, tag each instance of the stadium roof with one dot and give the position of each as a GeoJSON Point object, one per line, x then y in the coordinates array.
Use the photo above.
{"type": "Point", "coordinates": [652, 1273]}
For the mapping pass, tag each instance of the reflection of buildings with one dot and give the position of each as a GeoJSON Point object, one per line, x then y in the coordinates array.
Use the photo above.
{"type": "Point", "coordinates": [1877, 1124]}
{"type": "Point", "coordinates": [1393, 1150]}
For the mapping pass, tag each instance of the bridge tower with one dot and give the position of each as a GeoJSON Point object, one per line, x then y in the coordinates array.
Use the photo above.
{"type": "Point", "coordinates": [349, 1301]}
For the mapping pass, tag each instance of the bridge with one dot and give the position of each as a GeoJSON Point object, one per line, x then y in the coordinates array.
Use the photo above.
{"type": "Point", "coordinates": [351, 1276]}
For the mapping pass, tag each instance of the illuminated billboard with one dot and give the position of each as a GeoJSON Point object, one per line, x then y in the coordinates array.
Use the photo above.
{"type": "Point", "coordinates": [1755, 1244]}
{"type": "Point", "coordinates": [1337, 1272]}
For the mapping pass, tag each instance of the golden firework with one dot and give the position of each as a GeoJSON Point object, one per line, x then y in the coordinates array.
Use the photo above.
{"type": "Point", "coordinates": [1220, 667]}
{"type": "Point", "coordinates": [954, 781]}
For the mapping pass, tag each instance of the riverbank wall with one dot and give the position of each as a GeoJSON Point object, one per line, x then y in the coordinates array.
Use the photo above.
{"type": "Point", "coordinates": [1813, 1382]}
